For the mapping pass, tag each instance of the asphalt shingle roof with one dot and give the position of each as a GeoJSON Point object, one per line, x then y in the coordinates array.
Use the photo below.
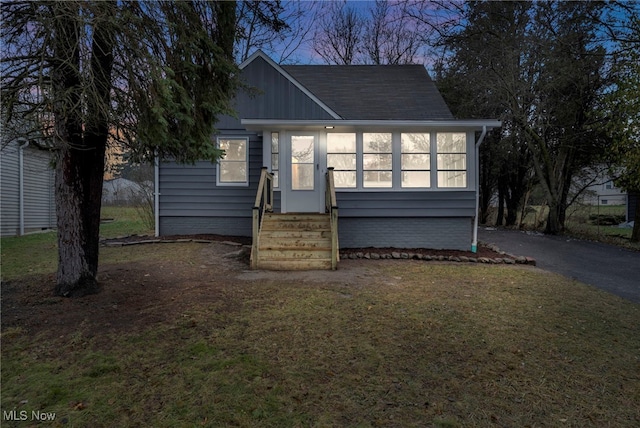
{"type": "Point", "coordinates": [374, 92]}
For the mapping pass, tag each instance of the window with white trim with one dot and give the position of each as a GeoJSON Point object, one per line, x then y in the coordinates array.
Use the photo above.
{"type": "Point", "coordinates": [452, 159]}
{"type": "Point", "coordinates": [275, 153]}
{"type": "Point", "coordinates": [233, 166]}
{"type": "Point", "coordinates": [415, 150]}
{"type": "Point", "coordinates": [341, 155]}
{"type": "Point", "coordinates": [377, 160]}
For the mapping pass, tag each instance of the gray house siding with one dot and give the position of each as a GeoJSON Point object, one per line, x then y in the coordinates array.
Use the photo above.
{"type": "Point", "coordinates": [406, 219]}
{"type": "Point", "coordinates": [453, 233]}
{"type": "Point", "coordinates": [38, 184]}
{"type": "Point", "coordinates": [278, 98]}
{"type": "Point", "coordinates": [192, 203]}
{"type": "Point", "coordinates": [406, 204]}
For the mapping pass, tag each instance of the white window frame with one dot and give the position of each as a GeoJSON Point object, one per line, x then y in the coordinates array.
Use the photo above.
{"type": "Point", "coordinates": [354, 153]}
{"type": "Point", "coordinates": [393, 155]}
{"type": "Point", "coordinates": [244, 183]}
{"type": "Point", "coordinates": [466, 170]}
{"type": "Point", "coordinates": [427, 167]}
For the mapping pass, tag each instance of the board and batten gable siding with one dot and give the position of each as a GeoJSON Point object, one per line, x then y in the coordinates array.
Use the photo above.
{"type": "Point", "coordinates": [277, 98]}
{"type": "Point", "coordinates": [192, 203]}
{"type": "Point", "coordinates": [39, 201]}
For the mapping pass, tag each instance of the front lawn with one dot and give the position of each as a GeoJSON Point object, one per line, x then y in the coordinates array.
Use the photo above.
{"type": "Point", "coordinates": [182, 336]}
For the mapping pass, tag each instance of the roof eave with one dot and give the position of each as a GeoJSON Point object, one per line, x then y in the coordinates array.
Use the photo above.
{"type": "Point", "coordinates": [470, 124]}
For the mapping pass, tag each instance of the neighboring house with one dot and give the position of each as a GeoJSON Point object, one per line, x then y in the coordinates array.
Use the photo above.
{"type": "Point", "coordinates": [604, 193]}
{"type": "Point", "coordinates": [405, 170]}
{"type": "Point", "coordinates": [26, 188]}
{"type": "Point", "coordinates": [120, 191]}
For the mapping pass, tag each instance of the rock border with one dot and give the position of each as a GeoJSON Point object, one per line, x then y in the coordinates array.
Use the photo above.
{"type": "Point", "coordinates": [508, 259]}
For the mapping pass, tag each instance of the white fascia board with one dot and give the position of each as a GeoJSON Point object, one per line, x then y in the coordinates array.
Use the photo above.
{"type": "Point", "coordinates": [471, 124]}
{"type": "Point", "coordinates": [260, 54]}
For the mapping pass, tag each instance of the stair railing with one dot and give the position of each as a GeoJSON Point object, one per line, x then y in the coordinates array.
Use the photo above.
{"type": "Point", "coordinates": [262, 204]}
{"type": "Point", "coordinates": [331, 207]}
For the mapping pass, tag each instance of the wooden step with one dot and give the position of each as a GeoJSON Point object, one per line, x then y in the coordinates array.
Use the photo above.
{"type": "Point", "coordinates": [294, 241]}
{"type": "Point", "coordinates": [284, 243]}
{"type": "Point", "coordinates": [297, 234]}
{"type": "Point", "coordinates": [295, 264]}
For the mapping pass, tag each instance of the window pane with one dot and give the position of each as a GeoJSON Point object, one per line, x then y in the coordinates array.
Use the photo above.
{"type": "Point", "coordinates": [341, 143]}
{"type": "Point", "coordinates": [275, 179]}
{"type": "Point", "coordinates": [452, 142]}
{"type": "Point", "coordinates": [452, 179]}
{"type": "Point", "coordinates": [234, 149]}
{"type": "Point", "coordinates": [416, 179]}
{"type": "Point", "coordinates": [376, 142]}
{"type": "Point", "coordinates": [415, 143]}
{"type": "Point", "coordinates": [232, 172]}
{"type": "Point", "coordinates": [452, 161]}
{"type": "Point", "coordinates": [344, 178]}
{"type": "Point", "coordinates": [341, 162]}
{"type": "Point", "coordinates": [377, 179]}
{"type": "Point", "coordinates": [302, 176]}
{"type": "Point", "coordinates": [275, 142]}
{"type": "Point", "coordinates": [376, 162]}
{"type": "Point", "coordinates": [274, 161]}
{"type": "Point", "coordinates": [417, 161]}
{"type": "Point", "coordinates": [302, 149]}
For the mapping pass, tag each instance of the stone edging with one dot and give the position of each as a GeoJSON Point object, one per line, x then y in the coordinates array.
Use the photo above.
{"type": "Point", "coordinates": [508, 259]}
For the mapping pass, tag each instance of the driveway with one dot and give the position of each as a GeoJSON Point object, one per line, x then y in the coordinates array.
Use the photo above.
{"type": "Point", "coordinates": [607, 267]}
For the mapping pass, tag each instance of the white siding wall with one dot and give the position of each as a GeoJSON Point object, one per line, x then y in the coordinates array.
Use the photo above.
{"type": "Point", "coordinates": [39, 204]}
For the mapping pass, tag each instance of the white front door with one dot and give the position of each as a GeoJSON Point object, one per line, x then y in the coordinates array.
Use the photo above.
{"type": "Point", "coordinates": [305, 184]}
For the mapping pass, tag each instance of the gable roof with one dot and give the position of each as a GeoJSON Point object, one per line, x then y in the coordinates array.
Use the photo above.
{"type": "Point", "coordinates": [374, 92]}
{"type": "Point", "coordinates": [259, 55]}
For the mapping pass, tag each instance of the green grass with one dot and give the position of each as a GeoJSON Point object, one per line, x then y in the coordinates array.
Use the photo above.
{"type": "Point", "coordinates": [127, 221]}
{"type": "Point", "coordinates": [37, 253]}
{"type": "Point", "coordinates": [415, 344]}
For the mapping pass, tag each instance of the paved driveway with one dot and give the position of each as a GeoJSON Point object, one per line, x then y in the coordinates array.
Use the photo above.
{"type": "Point", "coordinates": [604, 266]}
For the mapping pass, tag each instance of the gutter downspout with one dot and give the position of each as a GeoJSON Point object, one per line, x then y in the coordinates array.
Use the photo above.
{"type": "Point", "coordinates": [474, 244]}
{"type": "Point", "coordinates": [21, 186]}
{"type": "Point", "coordinates": [156, 194]}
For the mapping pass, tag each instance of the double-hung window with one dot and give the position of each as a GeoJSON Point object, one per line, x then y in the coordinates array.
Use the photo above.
{"type": "Point", "coordinates": [377, 160]}
{"type": "Point", "coordinates": [416, 159]}
{"type": "Point", "coordinates": [452, 159]}
{"type": "Point", "coordinates": [341, 155]}
{"type": "Point", "coordinates": [233, 166]}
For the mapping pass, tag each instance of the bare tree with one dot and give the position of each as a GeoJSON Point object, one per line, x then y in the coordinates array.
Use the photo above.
{"type": "Point", "coordinates": [338, 37]}
{"type": "Point", "coordinates": [278, 28]}
{"type": "Point", "coordinates": [391, 36]}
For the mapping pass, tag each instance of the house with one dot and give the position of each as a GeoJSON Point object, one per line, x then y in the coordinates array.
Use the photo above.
{"type": "Point", "coordinates": [120, 191]}
{"type": "Point", "coordinates": [27, 201]}
{"type": "Point", "coordinates": [404, 170]}
{"type": "Point", "coordinates": [604, 192]}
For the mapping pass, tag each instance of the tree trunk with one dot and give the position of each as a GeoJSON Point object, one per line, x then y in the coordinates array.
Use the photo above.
{"type": "Point", "coordinates": [500, 216]}
{"type": "Point", "coordinates": [635, 234]}
{"type": "Point", "coordinates": [80, 163]}
{"type": "Point", "coordinates": [554, 226]}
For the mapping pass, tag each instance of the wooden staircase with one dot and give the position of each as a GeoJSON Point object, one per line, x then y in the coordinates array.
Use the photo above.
{"type": "Point", "coordinates": [294, 241]}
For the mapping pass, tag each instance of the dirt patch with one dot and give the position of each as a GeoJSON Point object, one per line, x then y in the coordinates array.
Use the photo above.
{"type": "Point", "coordinates": [140, 293]}
{"type": "Point", "coordinates": [137, 294]}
